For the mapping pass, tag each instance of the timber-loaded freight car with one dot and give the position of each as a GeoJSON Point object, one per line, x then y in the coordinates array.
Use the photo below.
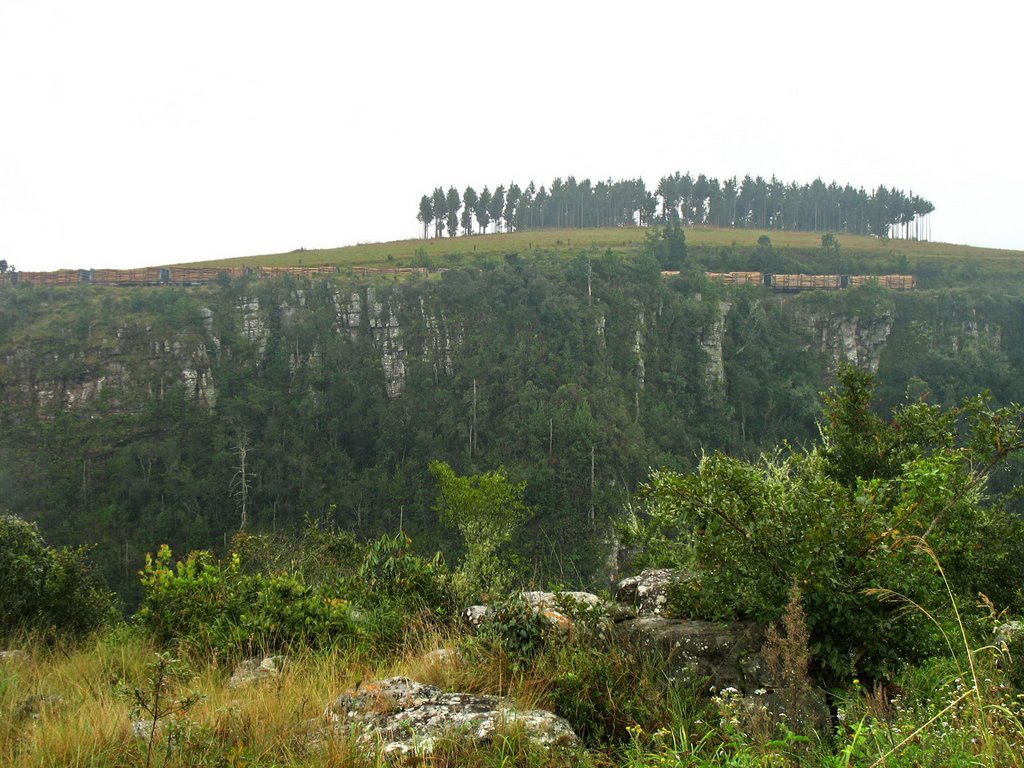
{"type": "Point", "coordinates": [199, 276]}
{"type": "Point", "coordinates": [390, 270]}
{"type": "Point", "coordinates": [787, 283]}
{"type": "Point", "coordinates": [892, 282]}
{"type": "Point", "coordinates": [144, 276]}
{"type": "Point", "coordinates": [736, 278]}
{"type": "Point", "coordinates": [323, 269]}
{"type": "Point", "coordinates": [57, 277]}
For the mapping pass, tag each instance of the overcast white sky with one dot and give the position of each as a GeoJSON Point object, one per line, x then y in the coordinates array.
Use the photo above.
{"type": "Point", "coordinates": [137, 132]}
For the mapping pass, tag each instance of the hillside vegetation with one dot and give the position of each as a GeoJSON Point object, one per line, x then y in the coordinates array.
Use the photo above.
{"type": "Point", "coordinates": [330, 468]}
{"type": "Point", "coordinates": [803, 539]}
{"type": "Point", "coordinates": [939, 264]}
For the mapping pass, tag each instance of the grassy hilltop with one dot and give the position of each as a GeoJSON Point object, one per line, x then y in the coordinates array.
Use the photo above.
{"type": "Point", "coordinates": [704, 243]}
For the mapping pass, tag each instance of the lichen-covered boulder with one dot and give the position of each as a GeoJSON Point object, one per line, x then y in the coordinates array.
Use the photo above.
{"type": "Point", "coordinates": [647, 593]}
{"type": "Point", "coordinates": [573, 604]}
{"type": "Point", "coordinates": [1009, 640]}
{"type": "Point", "coordinates": [403, 717]}
{"type": "Point", "coordinates": [724, 653]}
{"type": "Point", "coordinates": [475, 615]}
{"type": "Point", "coordinates": [252, 671]}
{"type": "Point", "coordinates": [32, 707]}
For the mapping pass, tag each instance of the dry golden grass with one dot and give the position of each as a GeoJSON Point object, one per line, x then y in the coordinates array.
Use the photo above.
{"type": "Point", "coordinates": [87, 717]}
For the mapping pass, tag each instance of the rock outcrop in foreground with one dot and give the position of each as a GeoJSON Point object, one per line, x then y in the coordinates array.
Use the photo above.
{"type": "Point", "coordinates": [402, 717]}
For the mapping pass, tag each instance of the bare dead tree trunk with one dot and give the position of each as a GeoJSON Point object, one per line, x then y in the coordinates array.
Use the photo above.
{"type": "Point", "coordinates": [240, 484]}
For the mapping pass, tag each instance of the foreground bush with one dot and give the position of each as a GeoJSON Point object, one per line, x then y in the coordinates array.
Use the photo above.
{"type": "Point", "coordinates": [44, 589]}
{"type": "Point", "coordinates": [231, 608]}
{"type": "Point", "coordinates": [845, 518]}
{"type": "Point", "coordinates": [212, 605]}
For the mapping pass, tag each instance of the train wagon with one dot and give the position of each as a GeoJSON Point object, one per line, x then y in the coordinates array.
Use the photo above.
{"type": "Point", "coordinates": [891, 282]}
{"type": "Point", "coordinates": [899, 282]}
{"type": "Point", "coordinates": [737, 278]}
{"type": "Point", "coordinates": [200, 275]}
{"type": "Point", "coordinates": [57, 277]}
{"type": "Point", "coordinates": [322, 269]}
{"type": "Point", "coordinates": [804, 282]}
{"type": "Point", "coordinates": [392, 270]}
{"type": "Point", "coordinates": [142, 276]}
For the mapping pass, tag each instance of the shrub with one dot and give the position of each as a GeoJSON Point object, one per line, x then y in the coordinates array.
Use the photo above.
{"type": "Point", "coordinates": [392, 573]}
{"type": "Point", "coordinates": [604, 690]}
{"type": "Point", "coordinates": [487, 509]}
{"type": "Point", "coordinates": [841, 518]}
{"type": "Point", "coordinates": [210, 605]}
{"type": "Point", "coordinates": [48, 590]}
{"type": "Point", "coordinates": [517, 629]}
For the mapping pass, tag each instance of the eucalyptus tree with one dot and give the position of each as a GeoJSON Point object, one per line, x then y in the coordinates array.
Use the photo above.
{"type": "Point", "coordinates": [482, 210]}
{"type": "Point", "coordinates": [541, 201]}
{"type": "Point", "coordinates": [426, 214]}
{"type": "Point", "coordinates": [469, 199]}
{"type": "Point", "coordinates": [752, 203]}
{"type": "Point", "coordinates": [670, 193]}
{"type": "Point", "coordinates": [512, 200]}
{"type": "Point", "coordinates": [497, 206]}
{"type": "Point", "coordinates": [440, 203]}
{"type": "Point", "coordinates": [526, 205]}
{"type": "Point", "coordinates": [453, 203]}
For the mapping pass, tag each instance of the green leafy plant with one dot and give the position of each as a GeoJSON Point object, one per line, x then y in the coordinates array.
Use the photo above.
{"type": "Point", "coordinates": [487, 509]}
{"type": "Point", "coordinates": [214, 605]}
{"type": "Point", "coordinates": [47, 589]}
{"type": "Point", "coordinates": [834, 520]}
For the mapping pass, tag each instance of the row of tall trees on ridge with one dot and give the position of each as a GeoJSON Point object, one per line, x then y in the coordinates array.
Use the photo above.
{"type": "Point", "coordinates": [753, 203]}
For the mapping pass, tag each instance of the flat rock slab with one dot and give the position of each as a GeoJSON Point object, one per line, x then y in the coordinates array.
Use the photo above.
{"type": "Point", "coordinates": [253, 671]}
{"type": "Point", "coordinates": [404, 717]}
{"type": "Point", "coordinates": [647, 592]}
{"type": "Point", "coordinates": [726, 653]}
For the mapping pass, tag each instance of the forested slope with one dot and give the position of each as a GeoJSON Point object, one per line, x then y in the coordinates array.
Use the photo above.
{"type": "Point", "coordinates": [129, 414]}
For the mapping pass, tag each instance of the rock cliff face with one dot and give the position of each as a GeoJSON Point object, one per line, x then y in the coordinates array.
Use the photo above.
{"type": "Point", "coordinates": [125, 362]}
{"type": "Point", "coordinates": [711, 340]}
{"type": "Point", "coordinates": [855, 339]}
{"type": "Point", "coordinates": [121, 362]}
{"type": "Point", "coordinates": [115, 372]}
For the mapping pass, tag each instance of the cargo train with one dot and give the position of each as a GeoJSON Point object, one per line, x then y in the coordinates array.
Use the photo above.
{"type": "Point", "coordinates": [184, 275]}
{"type": "Point", "coordinates": [792, 283]}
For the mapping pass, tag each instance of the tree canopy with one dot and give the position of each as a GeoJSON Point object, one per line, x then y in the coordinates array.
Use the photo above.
{"type": "Point", "coordinates": [750, 203]}
{"type": "Point", "coordinates": [866, 513]}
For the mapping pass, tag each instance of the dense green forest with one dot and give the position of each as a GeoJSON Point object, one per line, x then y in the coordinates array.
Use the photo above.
{"type": "Point", "coordinates": [749, 203]}
{"type": "Point", "coordinates": [135, 417]}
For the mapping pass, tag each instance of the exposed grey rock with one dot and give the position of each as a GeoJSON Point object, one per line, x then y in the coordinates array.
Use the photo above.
{"type": "Point", "coordinates": [143, 728]}
{"type": "Point", "coordinates": [563, 601]}
{"type": "Point", "coordinates": [253, 671]}
{"type": "Point", "coordinates": [34, 706]}
{"type": "Point", "coordinates": [403, 717]}
{"type": "Point", "coordinates": [475, 615]}
{"type": "Point", "coordinates": [856, 340]}
{"type": "Point", "coordinates": [442, 657]}
{"type": "Point", "coordinates": [648, 592]}
{"type": "Point", "coordinates": [724, 653]}
{"type": "Point", "coordinates": [1008, 634]}
{"type": "Point", "coordinates": [712, 338]}
{"type": "Point", "coordinates": [14, 656]}
{"type": "Point", "coordinates": [1009, 640]}
{"type": "Point", "coordinates": [564, 609]}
